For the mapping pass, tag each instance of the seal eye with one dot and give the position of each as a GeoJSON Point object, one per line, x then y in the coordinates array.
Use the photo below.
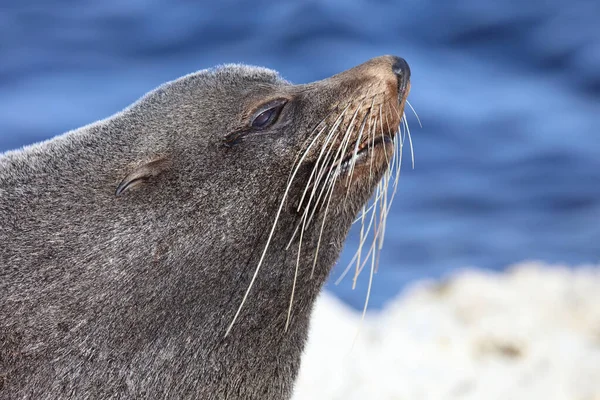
{"type": "Point", "coordinates": [267, 117]}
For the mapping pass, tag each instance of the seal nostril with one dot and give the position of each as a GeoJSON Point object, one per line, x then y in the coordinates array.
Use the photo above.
{"type": "Point", "coordinates": [400, 68]}
{"type": "Point", "coordinates": [402, 71]}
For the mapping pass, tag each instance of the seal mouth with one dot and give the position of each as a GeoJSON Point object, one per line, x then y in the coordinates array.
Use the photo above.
{"type": "Point", "coordinates": [359, 155]}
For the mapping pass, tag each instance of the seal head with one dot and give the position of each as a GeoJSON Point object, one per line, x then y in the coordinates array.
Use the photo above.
{"type": "Point", "coordinates": [175, 250]}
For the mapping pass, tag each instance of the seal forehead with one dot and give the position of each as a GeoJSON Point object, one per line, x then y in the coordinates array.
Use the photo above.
{"type": "Point", "coordinates": [248, 72]}
{"type": "Point", "coordinates": [213, 88]}
{"type": "Point", "coordinates": [238, 73]}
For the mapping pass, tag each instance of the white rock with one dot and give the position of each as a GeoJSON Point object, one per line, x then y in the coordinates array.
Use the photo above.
{"type": "Point", "coordinates": [530, 333]}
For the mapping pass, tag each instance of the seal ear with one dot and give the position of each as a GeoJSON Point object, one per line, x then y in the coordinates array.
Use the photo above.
{"type": "Point", "coordinates": [142, 173]}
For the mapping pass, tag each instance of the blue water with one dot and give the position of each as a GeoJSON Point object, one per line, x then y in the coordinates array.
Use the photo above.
{"type": "Point", "coordinates": [508, 159]}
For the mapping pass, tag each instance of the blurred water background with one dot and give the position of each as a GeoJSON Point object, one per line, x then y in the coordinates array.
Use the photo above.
{"type": "Point", "coordinates": [507, 163]}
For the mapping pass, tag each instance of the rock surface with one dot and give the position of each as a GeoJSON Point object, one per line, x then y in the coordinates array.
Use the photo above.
{"type": "Point", "coordinates": [532, 332]}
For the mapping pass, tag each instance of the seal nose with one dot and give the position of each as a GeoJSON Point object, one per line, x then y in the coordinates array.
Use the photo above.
{"type": "Point", "coordinates": [402, 71]}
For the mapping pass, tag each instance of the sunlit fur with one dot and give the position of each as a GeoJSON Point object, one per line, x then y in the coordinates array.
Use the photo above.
{"type": "Point", "coordinates": [169, 251]}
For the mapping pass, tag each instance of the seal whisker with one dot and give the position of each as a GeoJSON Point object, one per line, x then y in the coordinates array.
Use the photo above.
{"type": "Point", "coordinates": [305, 151]}
{"type": "Point", "coordinates": [381, 200]}
{"type": "Point", "coordinates": [368, 209]}
{"type": "Point", "coordinates": [361, 243]}
{"type": "Point", "coordinates": [353, 158]}
{"type": "Point", "coordinates": [357, 144]}
{"type": "Point", "coordinates": [330, 136]}
{"type": "Point", "coordinates": [391, 162]}
{"type": "Point", "coordinates": [375, 234]}
{"type": "Point", "coordinates": [317, 181]}
{"type": "Point", "coordinates": [384, 200]}
{"type": "Point", "coordinates": [270, 237]}
{"type": "Point", "coordinates": [384, 215]}
{"type": "Point", "coordinates": [398, 161]}
{"type": "Point", "coordinates": [336, 165]}
{"type": "Point", "coordinates": [385, 207]}
{"type": "Point", "coordinates": [307, 208]}
{"type": "Point", "coordinates": [346, 138]}
{"type": "Point", "coordinates": [378, 231]}
{"type": "Point", "coordinates": [387, 160]}
{"type": "Point", "coordinates": [384, 187]}
{"type": "Point", "coordinates": [369, 253]}
{"type": "Point", "coordinates": [362, 236]}
{"type": "Point", "coordinates": [401, 124]}
{"type": "Point", "coordinates": [399, 145]}
{"type": "Point", "coordinates": [295, 171]}
{"type": "Point", "coordinates": [414, 112]}
{"type": "Point", "coordinates": [373, 134]}
{"type": "Point", "coordinates": [300, 222]}
{"type": "Point", "coordinates": [372, 159]}
{"type": "Point", "coordinates": [404, 121]}
{"type": "Point", "coordinates": [395, 162]}
{"type": "Point", "coordinates": [309, 137]}
{"type": "Point", "coordinates": [289, 312]}
{"type": "Point", "coordinates": [398, 164]}
{"type": "Point", "coordinates": [412, 153]}
{"type": "Point", "coordinates": [329, 195]}
{"type": "Point", "coordinates": [322, 183]}
{"type": "Point", "coordinates": [368, 296]}
{"type": "Point", "coordinates": [333, 178]}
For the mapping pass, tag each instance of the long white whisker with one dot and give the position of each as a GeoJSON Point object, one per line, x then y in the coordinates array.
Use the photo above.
{"type": "Point", "coordinates": [376, 229]}
{"type": "Point", "coordinates": [367, 297]}
{"type": "Point", "coordinates": [330, 195]}
{"type": "Point", "coordinates": [264, 253]}
{"type": "Point", "coordinates": [307, 208]}
{"type": "Point", "coordinates": [289, 313]}
{"type": "Point", "coordinates": [311, 140]}
{"type": "Point", "coordinates": [404, 120]}
{"type": "Point", "coordinates": [339, 156]}
{"type": "Point", "coordinates": [320, 183]}
{"type": "Point", "coordinates": [414, 112]}
{"type": "Point", "coordinates": [360, 245]}
{"type": "Point", "coordinates": [412, 153]}
{"type": "Point", "coordinates": [387, 161]}
{"type": "Point", "coordinates": [360, 133]}
{"type": "Point", "coordinates": [329, 137]}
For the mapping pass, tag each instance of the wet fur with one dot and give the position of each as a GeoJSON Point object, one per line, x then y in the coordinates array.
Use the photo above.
{"type": "Point", "coordinates": [130, 296]}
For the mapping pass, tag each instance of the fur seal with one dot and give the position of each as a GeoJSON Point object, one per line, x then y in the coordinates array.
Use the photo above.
{"type": "Point", "coordinates": [175, 249]}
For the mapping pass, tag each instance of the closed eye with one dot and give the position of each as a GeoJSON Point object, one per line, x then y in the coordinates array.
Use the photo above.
{"type": "Point", "coordinates": [268, 116]}
{"type": "Point", "coordinates": [263, 118]}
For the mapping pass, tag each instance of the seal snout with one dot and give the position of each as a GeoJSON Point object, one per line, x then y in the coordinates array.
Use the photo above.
{"type": "Point", "coordinates": [391, 71]}
{"type": "Point", "coordinates": [400, 68]}
{"type": "Point", "coordinates": [402, 71]}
